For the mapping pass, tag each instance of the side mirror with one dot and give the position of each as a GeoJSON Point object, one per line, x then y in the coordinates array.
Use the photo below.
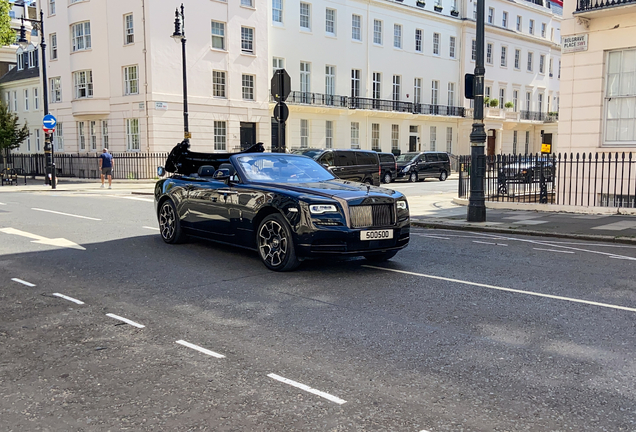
{"type": "Point", "coordinates": [221, 174]}
{"type": "Point", "coordinates": [161, 171]}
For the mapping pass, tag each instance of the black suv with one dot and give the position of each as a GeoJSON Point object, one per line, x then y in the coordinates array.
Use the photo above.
{"type": "Point", "coordinates": [361, 166]}
{"type": "Point", "coordinates": [388, 167]}
{"type": "Point", "coordinates": [416, 166]}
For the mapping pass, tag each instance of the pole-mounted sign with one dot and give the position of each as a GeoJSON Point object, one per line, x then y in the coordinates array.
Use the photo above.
{"type": "Point", "coordinates": [281, 87]}
{"type": "Point", "coordinates": [48, 123]}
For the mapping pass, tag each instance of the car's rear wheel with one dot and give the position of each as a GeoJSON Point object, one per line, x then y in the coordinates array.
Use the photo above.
{"type": "Point", "coordinates": [380, 257]}
{"type": "Point", "coordinates": [443, 176]}
{"type": "Point", "coordinates": [413, 177]}
{"type": "Point", "coordinates": [387, 178]}
{"type": "Point", "coordinates": [275, 244]}
{"type": "Point", "coordinates": [169, 223]}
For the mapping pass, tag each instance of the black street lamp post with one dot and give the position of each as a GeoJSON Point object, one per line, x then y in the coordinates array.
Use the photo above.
{"type": "Point", "coordinates": [48, 138]}
{"type": "Point", "coordinates": [179, 35]}
{"type": "Point", "coordinates": [476, 202]}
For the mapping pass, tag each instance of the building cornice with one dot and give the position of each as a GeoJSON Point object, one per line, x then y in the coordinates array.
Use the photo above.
{"type": "Point", "coordinates": [412, 10]}
{"type": "Point", "coordinates": [512, 33]}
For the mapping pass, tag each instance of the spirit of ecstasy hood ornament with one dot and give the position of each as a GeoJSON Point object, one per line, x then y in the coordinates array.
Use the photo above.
{"type": "Point", "coordinates": [368, 189]}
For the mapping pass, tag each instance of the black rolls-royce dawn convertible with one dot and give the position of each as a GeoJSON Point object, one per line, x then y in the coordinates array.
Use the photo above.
{"type": "Point", "coordinates": [287, 207]}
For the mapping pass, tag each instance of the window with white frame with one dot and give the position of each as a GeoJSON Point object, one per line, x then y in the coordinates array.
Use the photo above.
{"type": "Point", "coordinates": [514, 142]}
{"type": "Point", "coordinates": [33, 58]}
{"type": "Point", "coordinates": [55, 89]}
{"type": "Point", "coordinates": [527, 146]}
{"type": "Point", "coordinates": [26, 99]}
{"type": "Point", "coordinates": [542, 64]}
{"type": "Point", "coordinates": [515, 100]}
{"type": "Point", "coordinates": [529, 62]}
{"type": "Point", "coordinates": [131, 80]}
{"type": "Point", "coordinates": [36, 98]}
{"type": "Point", "coordinates": [531, 27]}
{"type": "Point", "coordinates": [504, 56]}
{"type": "Point", "coordinates": [451, 94]}
{"type": "Point", "coordinates": [377, 32]}
{"type": "Point", "coordinates": [247, 40]}
{"type": "Point", "coordinates": [436, 43]}
{"type": "Point", "coordinates": [519, 23]}
{"type": "Point", "coordinates": [51, 7]}
{"type": "Point", "coordinates": [543, 30]}
{"type": "Point", "coordinates": [454, 5]}
{"type": "Point", "coordinates": [356, 27]}
{"type": "Point", "coordinates": [540, 102]}
{"type": "Point", "coordinates": [491, 15]}
{"type": "Point", "coordinates": [247, 87]}
{"type": "Point", "coordinates": [550, 68]}
{"type": "Point", "coordinates": [397, 36]}
{"type": "Point", "coordinates": [305, 16]}
{"type": "Point", "coordinates": [53, 45]}
{"type": "Point", "coordinates": [220, 135]}
{"type": "Point", "coordinates": [58, 137]}
{"type": "Point", "coordinates": [328, 134]}
{"type": "Point", "coordinates": [355, 135]}
{"type": "Point", "coordinates": [489, 53]}
{"type": "Point", "coordinates": [474, 10]}
{"type": "Point", "coordinates": [395, 136]}
{"type": "Point", "coordinates": [129, 29]}
{"type": "Point", "coordinates": [517, 58]}
{"type": "Point", "coordinates": [20, 61]}
{"type": "Point", "coordinates": [474, 50]}
{"type": "Point", "coordinates": [249, 3]}
{"type": "Point", "coordinates": [504, 20]}
{"type": "Point", "coordinates": [330, 22]}
{"type": "Point", "coordinates": [528, 100]}
{"type": "Point", "coordinates": [375, 136]}
{"type": "Point", "coordinates": [28, 140]}
{"type": "Point", "coordinates": [330, 80]}
{"type": "Point", "coordinates": [277, 63]}
{"type": "Point", "coordinates": [218, 84]}
{"type": "Point", "coordinates": [417, 90]}
{"type": "Point", "coordinates": [397, 83]}
{"type": "Point", "coordinates": [451, 47]}
{"type": "Point", "coordinates": [449, 140]}
{"type": "Point", "coordinates": [37, 140]}
{"type": "Point", "coordinates": [620, 97]}
{"type": "Point", "coordinates": [277, 11]}
{"type": "Point", "coordinates": [133, 139]}
{"type": "Point", "coordinates": [218, 35]}
{"type": "Point", "coordinates": [355, 83]}
{"type": "Point", "coordinates": [418, 40]}
{"type": "Point", "coordinates": [559, 74]}
{"type": "Point", "coordinates": [488, 91]}
{"type": "Point", "coordinates": [502, 97]}
{"type": "Point", "coordinates": [15, 101]}
{"type": "Point", "coordinates": [304, 133]}
{"type": "Point", "coordinates": [92, 129]}
{"type": "Point", "coordinates": [83, 81]}
{"type": "Point", "coordinates": [81, 36]}
{"type": "Point", "coordinates": [433, 137]}
{"type": "Point", "coordinates": [7, 100]}
{"type": "Point", "coordinates": [105, 140]}
{"type": "Point", "coordinates": [305, 77]}
{"type": "Point", "coordinates": [81, 133]}
{"type": "Point", "coordinates": [377, 79]}
{"type": "Point", "coordinates": [434, 92]}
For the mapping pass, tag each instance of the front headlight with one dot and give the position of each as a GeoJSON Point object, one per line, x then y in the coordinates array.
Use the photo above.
{"type": "Point", "coordinates": [322, 208]}
{"type": "Point", "coordinates": [406, 168]}
{"type": "Point", "coordinates": [401, 205]}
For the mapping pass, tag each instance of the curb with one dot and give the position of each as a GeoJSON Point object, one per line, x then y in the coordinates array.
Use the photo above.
{"type": "Point", "coordinates": [590, 237]}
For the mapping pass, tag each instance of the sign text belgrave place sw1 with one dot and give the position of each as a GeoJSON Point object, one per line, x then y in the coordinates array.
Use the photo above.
{"type": "Point", "coordinates": [574, 44]}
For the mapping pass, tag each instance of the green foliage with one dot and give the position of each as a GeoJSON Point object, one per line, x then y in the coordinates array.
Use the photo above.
{"type": "Point", "coordinates": [11, 133]}
{"type": "Point", "coordinates": [509, 104]}
{"type": "Point", "coordinates": [486, 101]}
{"type": "Point", "coordinates": [7, 35]}
{"type": "Point", "coordinates": [494, 103]}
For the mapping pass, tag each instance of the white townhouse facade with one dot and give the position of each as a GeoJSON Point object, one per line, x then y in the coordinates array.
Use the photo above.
{"type": "Point", "coordinates": [115, 74]}
{"type": "Point", "coordinates": [389, 75]}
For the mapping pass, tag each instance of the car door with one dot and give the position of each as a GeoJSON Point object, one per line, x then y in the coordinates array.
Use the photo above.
{"type": "Point", "coordinates": [345, 165]}
{"type": "Point", "coordinates": [208, 203]}
{"type": "Point", "coordinates": [430, 165]}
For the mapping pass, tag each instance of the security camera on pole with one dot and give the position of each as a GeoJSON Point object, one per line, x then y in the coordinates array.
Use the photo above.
{"type": "Point", "coordinates": [281, 87]}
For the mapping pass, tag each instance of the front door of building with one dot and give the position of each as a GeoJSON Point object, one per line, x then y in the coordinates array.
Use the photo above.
{"type": "Point", "coordinates": [275, 135]}
{"type": "Point", "coordinates": [491, 143]}
{"type": "Point", "coordinates": [248, 135]}
{"type": "Point", "coordinates": [412, 143]}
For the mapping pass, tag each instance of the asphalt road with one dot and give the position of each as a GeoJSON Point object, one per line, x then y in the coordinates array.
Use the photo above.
{"type": "Point", "coordinates": [460, 332]}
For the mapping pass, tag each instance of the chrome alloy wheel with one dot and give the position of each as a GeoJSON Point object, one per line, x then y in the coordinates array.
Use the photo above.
{"type": "Point", "coordinates": [167, 221]}
{"type": "Point", "coordinates": [273, 243]}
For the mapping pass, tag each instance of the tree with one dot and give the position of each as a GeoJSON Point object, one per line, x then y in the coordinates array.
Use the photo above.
{"type": "Point", "coordinates": [11, 133]}
{"type": "Point", "coordinates": [7, 35]}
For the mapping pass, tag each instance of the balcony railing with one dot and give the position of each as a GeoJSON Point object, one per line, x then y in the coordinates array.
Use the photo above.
{"type": "Point", "coordinates": [591, 5]}
{"type": "Point", "coordinates": [318, 99]}
{"type": "Point", "coordinates": [532, 115]}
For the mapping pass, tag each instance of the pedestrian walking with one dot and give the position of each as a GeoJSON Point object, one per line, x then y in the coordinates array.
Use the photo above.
{"type": "Point", "coordinates": [106, 163]}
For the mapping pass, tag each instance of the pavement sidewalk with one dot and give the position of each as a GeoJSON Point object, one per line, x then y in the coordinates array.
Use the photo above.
{"type": "Point", "coordinates": [434, 210]}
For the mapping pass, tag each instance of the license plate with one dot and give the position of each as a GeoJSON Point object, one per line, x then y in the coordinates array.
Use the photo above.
{"type": "Point", "coordinates": [376, 235]}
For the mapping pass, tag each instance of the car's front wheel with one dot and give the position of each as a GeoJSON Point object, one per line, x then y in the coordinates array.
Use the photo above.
{"type": "Point", "coordinates": [169, 223]}
{"type": "Point", "coordinates": [387, 178]}
{"type": "Point", "coordinates": [275, 244]}
{"type": "Point", "coordinates": [381, 256]}
{"type": "Point", "coordinates": [413, 177]}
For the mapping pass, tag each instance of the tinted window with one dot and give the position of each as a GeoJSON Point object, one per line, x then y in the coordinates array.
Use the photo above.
{"type": "Point", "coordinates": [406, 157]}
{"type": "Point", "coordinates": [327, 159]}
{"type": "Point", "coordinates": [431, 157]}
{"type": "Point", "coordinates": [443, 157]}
{"type": "Point", "coordinates": [345, 158]}
{"type": "Point", "coordinates": [366, 158]}
{"type": "Point", "coordinates": [309, 153]}
{"type": "Point", "coordinates": [386, 158]}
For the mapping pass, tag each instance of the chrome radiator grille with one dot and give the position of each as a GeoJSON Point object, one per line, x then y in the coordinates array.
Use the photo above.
{"type": "Point", "coordinates": [371, 216]}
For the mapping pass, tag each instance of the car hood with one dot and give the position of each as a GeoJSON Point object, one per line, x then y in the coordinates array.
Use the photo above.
{"type": "Point", "coordinates": [334, 189]}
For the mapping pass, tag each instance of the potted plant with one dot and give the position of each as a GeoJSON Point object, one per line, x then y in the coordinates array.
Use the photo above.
{"type": "Point", "coordinates": [438, 8]}
{"type": "Point", "coordinates": [455, 13]}
{"type": "Point", "coordinates": [509, 105]}
{"type": "Point", "coordinates": [494, 103]}
{"type": "Point", "coordinates": [486, 101]}
{"type": "Point", "coordinates": [420, 3]}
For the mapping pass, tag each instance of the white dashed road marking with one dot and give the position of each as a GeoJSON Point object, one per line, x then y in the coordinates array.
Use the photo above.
{"type": "Point", "coordinates": [488, 243]}
{"type": "Point", "coordinates": [617, 226]}
{"type": "Point", "coordinates": [151, 228]}
{"type": "Point", "coordinates": [2, 204]}
{"type": "Point", "coordinates": [432, 236]}
{"type": "Point", "coordinates": [133, 198]}
{"type": "Point", "coordinates": [127, 321]}
{"type": "Point", "coordinates": [553, 250]}
{"type": "Point", "coordinates": [29, 284]}
{"type": "Point", "coordinates": [66, 214]}
{"type": "Point", "coordinates": [511, 290]}
{"type": "Point", "coordinates": [79, 302]}
{"type": "Point", "coordinates": [530, 222]}
{"type": "Point", "coordinates": [307, 389]}
{"type": "Point", "coordinates": [200, 349]}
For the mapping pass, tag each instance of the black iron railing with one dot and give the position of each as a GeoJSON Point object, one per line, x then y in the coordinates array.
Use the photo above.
{"type": "Point", "coordinates": [532, 115]}
{"type": "Point", "coordinates": [133, 166]}
{"type": "Point", "coordinates": [320, 99]}
{"type": "Point", "coordinates": [587, 179]}
{"type": "Point", "coordinates": [590, 5]}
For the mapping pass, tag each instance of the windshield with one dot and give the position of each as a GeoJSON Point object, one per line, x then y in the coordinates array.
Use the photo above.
{"type": "Point", "coordinates": [406, 157]}
{"type": "Point", "coordinates": [283, 169]}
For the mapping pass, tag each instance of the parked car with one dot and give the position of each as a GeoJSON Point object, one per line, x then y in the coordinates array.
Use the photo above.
{"type": "Point", "coordinates": [528, 169]}
{"type": "Point", "coordinates": [416, 166]}
{"type": "Point", "coordinates": [388, 167]}
{"type": "Point", "coordinates": [287, 207]}
{"type": "Point", "coordinates": [362, 166]}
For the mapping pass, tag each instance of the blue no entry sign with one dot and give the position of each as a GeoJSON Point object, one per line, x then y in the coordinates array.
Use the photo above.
{"type": "Point", "coordinates": [49, 121]}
